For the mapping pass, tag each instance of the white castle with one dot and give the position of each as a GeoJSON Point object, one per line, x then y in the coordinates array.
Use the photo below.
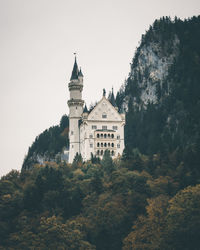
{"type": "Point", "coordinates": [96, 131]}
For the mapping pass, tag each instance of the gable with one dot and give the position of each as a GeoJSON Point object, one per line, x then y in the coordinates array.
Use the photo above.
{"type": "Point", "coordinates": [104, 111]}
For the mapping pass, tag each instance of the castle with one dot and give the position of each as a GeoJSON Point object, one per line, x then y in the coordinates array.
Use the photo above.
{"type": "Point", "coordinates": [96, 131]}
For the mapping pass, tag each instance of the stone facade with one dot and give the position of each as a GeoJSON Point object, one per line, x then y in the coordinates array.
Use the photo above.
{"type": "Point", "coordinates": [96, 131]}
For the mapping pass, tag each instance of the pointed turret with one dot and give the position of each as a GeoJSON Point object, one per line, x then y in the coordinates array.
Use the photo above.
{"type": "Point", "coordinates": [112, 99]}
{"type": "Point", "coordinates": [85, 110]}
{"type": "Point", "coordinates": [80, 76]}
{"type": "Point", "coordinates": [80, 73]}
{"type": "Point", "coordinates": [75, 71]}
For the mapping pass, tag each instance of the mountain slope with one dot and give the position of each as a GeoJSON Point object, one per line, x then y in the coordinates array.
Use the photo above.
{"type": "Point", "coordinates": [162, 92]}
{"type": "Point", "coordinates": [48, 146]}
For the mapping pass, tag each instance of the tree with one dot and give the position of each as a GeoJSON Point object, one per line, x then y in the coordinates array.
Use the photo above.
{"type": "Point", "coordinates": [107, 162]}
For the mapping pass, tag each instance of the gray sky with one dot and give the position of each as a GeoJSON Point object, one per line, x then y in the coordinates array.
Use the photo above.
{"type": "Point", "coordinates": [38, 38]}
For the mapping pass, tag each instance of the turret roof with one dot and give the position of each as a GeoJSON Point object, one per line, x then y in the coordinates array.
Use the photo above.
{"type": "Point", "coordinates": [75, 71]}
{"type": "Point", "coordinates": [80, 73]}
{"type": "Point", "coordinates": [112, 99]}
{"type": "Point", "coordinates": [85, 110]}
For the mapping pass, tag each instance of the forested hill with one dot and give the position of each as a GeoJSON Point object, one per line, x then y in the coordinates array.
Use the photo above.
{"type": "Point", "coordinates": [148, 199]}
{"type": "Point", "coordinates": [49, 145]}
{"type": "Point", "coordinates": [162, 92]}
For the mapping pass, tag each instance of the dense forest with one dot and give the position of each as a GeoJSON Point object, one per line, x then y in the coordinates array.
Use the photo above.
{"type": "Point", "coordinates": [147, 199]}
{"type": "Point", "coordinates": [48, 146]}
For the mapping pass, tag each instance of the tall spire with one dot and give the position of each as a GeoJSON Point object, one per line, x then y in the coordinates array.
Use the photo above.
{"type": "Point", "coordinates": [75, 70]}
{"type": "Point", "coordinates": [112, 99]}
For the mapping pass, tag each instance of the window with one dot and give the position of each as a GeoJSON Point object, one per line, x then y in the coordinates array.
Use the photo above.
{"type": "Point", "coordinates": [91, 136]}
{"type": "Point", "coordinates": [112, 135]}
{"type": "Point", "coordinates": [101, 144]}
{"type": "Point", "coordinates": [118, 145]}
{"type": "Point", "coordinates": [101, 135]}
{"type": "Point", "coordinates": [113, 153]}
{"type": "Point", "coordinates": [112, 145]}
{"type": "Point", "coordinates": [118, 137]}
{"type": "Point", "coordinates": [72, 132]}
{"type": "Point", "coordinates": [108, 135]}
{"type": "Point", "coordinates": [101, 152]}
{"type": "Point", "coordinates": [97, 135]}
{"type": "Point", "coordinates": [94, 127]}
{"type": "Point", "coordinates": [109, 144]}
{"type": "Point", "coordinates": [105, 144]}
{"type": "Point", "coordinates": [91, 145]}
{"type": "Point", "coordinates": [98, 152]}
{"type": "Point", "coordinates": [104, 115]}
{"type": "Point", "coordinates": [98, 144]}
{"type": "Point", "coordinates": [114, 127]}
{"type": "Point", "coordinates": [105, 135]}
{"type": "Point", "coordinates": [104, 127]}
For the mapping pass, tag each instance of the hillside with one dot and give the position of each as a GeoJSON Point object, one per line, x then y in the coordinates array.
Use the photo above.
{"type": "Point", "coordinates": [162, 91]}
{"type": "Point", "coordinates": [149, 198]}
{"type": "Point", "coordinates": [49, 145]}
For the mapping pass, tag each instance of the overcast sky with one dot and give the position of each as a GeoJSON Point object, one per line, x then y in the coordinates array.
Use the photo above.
{"type": "Point", "coordinates": [38, 39]}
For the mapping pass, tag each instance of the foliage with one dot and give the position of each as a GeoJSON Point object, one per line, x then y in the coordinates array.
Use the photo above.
{"type": "Point", "coordinates": [148, 199]}
{"type": "Point", "coordinates": [48, 144]}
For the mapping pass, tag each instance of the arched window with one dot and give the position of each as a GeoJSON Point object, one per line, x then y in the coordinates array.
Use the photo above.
{"type": "Point", "coordinates": [98, 144]}
{"type": "Point", "coordinates": [101, 152]}
{"type": "Point", "coordinates": [105, 144]}
{"type": "Point", "coordinates": [113, 153]}
{"type": "Point", "coordinates": [101, 135]}
{"type": "Point", "coordinates": [109, 144]}
{"type": "Point", "coordinates": [97, 135]}
{"type": "Point", "coordinates": [108, 135]}
{"type": "Point", "coordinates": [112, 135]}
{"type": "Point", "coordinates": [98, 152]}
{"type": "Point", "coordinates": [105, 135]}
{"type": "Point", "coordinates": [102, 144]}
{"type": "Point", "coordinates": [112, 145]}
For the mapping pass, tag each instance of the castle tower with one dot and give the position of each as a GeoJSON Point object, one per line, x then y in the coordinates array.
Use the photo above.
{"type": "Point", "coordinates": [75, 110]}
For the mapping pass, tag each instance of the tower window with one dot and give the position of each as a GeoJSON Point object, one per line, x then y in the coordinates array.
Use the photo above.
{"type": "Point", "coordinates": [104, 115]}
